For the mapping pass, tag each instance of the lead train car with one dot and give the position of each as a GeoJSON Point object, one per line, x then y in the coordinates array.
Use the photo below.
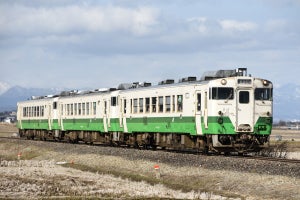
{"type": "Point", "coordinates": [225, 111]}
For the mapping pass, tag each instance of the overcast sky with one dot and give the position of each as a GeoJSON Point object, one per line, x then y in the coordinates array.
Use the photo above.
{"type": "Point", "coordinates": [95, 44]}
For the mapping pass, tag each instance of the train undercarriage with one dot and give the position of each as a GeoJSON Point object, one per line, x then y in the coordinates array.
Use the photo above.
{"type": "Point", "coordinates": [240, 143]}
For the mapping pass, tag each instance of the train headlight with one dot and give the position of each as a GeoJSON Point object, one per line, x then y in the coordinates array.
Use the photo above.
{"type": "Point", "coordinates": [265, 82]}
{"type": "Point", "coordinates": [223, 82]}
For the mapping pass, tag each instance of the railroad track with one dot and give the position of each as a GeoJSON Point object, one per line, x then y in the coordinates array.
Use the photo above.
{"type": "Point", "coordinates": [274, 159]}
{"type": "Point", "coordinates": [264, 158]}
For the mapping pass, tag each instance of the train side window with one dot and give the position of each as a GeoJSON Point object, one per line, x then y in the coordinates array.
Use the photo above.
{"type": "Point", "coordinates": [75, 108]}
{"type": "Point", "coordinates": [72, 108]}
{"type": "Point", "coordinates": [199, 102]}
{"type": "Point", "coordinates": [141, 105]}
{"type": "Point", "coordinates": [179, 103]}
{"type": "Point", "coordinates": [87, 108]}
{"type": "Point", "coordinates": [131, 104]}
{"type": "Point", "coordinates": [54, 105]}
{"type": "Point", "coordinates": [154, 102]}
{"type": "Point", "coordinates": [168, 103]}
{"type": "Point", "coordinates": [83, 108]}
{"type": "Point", "coordinates": [105, 107]}
{"type": "Point", "coordinates": [173, 103]}
{"type": "Point", "coordinates": [68, 109]}
{"type": "Point", "coordinates": [147, 104]}
{"type": "Point", "coordinates": [244, 97]}
{"type": "Point", "coordinates": [94, 108]}
{"type": "Point", "coordinates": [38, 111]}
{"type": "Point", "coordinates": [113, 101]}
{"type": "Point", "coordinates": [42, 111]}
{"type": "Point", "coordinates": [161, 104]}
{"type": "Point", "coordinates": [124, 106]}
{"type": "Point", "coordinates": [34, 111]}
{"type": "Point", "coordinates": [79, 108]}
{"type": "Point", "coordinates": [135, 105]}
{"type": "Point", "coordinates": [221, 93]}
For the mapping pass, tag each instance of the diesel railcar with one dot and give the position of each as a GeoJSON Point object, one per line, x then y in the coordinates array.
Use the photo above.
{"type": "Point", "coordinates": [224, 111]}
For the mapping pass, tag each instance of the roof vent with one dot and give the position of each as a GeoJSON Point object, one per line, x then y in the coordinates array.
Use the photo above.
{"type": "Point", "coordinates": [188, 79]}
{"type": "Point", "coordinates": [165, 82]}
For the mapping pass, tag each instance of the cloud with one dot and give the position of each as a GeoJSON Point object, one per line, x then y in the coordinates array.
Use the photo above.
{"type": "Point", "coordinates": [20, 19]}
{"type": "Point", "coordinates": [233, 25]}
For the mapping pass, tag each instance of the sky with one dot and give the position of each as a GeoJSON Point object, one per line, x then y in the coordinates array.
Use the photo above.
{"type": "Point", "coordinates": [96, 44]}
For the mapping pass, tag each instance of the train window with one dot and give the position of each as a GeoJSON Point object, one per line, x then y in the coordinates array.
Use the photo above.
{"type": "Point", "coordinates": [79, 108]}
{"type": "Point", "coordinates": [125, 106]}
{"type": "Point", "coordinates": [173, 103]}
{"type": "Point", "coordinates": [72, 109]}
{"type": "Point", "coordinates": [42, 111]}
{"type": "Point", "coordinates": [147, 104]}
{"type": "Point", "coordinates": [141, 105]}
{"type": "Point", "coordinates": [179, 103]}
{"type": "Point", "coordinates": [161, 104]}
{"type": "Point", "coordinates": [38, 111]}
{"type": "Point", "coordinates": [75, 109]}
{"type": "Point", "coordinates": [244, 97]}
{"type": "Point", "coordinates": [221, 93]}
{"type": "Point", "coordinates": [54, 105]}
{"type": "Point", "coordinates": [131, 105]}
{"type": "Point", "coordinates": [168, 103]}
{"type": "Point", "coordinates": [154, 102]}
{"type": "Point", "coordinates": [105, 107]}
{"type": "Point", "coordinates": [263, 94]}
{"type": "Point", "coordinates": [94, 108]}
{"type": "Point", "coordinates": [68, 109]}
{"type": "Point", "coordinates": [83, 108]}
{"type": "Point", "coordinates": [113, 101]}
{"type": "Point", "coordinates": [87, 108]}
{"type": "Point", "coordinates": [135, 105]}
{"type": "Point", "coordinates": [34, 112]}
{"type": "Point", "coordinates": [24, 112]}
{"type": "Point", "coordinates": [199, 102]}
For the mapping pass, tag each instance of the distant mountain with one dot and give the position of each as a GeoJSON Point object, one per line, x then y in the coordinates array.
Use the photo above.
{"type": "Point", "coordinates": [3, 87]}
{"type": "Point", "coordinates": [287, 102]}
{"type": "Point", "coordinates": [9, 99]}
{"type": "Point", "coordinates": [286, 99]}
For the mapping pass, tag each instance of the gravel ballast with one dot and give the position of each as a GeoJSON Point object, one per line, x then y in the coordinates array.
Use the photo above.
{"type": "Point", "coordinates": [226, 177]}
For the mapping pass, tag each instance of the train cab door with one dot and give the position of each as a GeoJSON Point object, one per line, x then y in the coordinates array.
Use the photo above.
{"type": "Point", "coordinates": [198, 114]}
{"type": "Point", "coordinates": [245, 106]}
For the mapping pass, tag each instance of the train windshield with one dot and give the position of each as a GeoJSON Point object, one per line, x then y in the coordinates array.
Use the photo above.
{"type": "Point", "coordinates": [264, 94]}
{"type": "Point", "coordinates": [220, 93]}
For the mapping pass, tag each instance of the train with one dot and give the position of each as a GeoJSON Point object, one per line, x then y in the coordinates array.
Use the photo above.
{"type": "Point", "coordinates": [223, 111]}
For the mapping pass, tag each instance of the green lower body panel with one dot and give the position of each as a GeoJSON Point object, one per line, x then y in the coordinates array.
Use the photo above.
{"type": "Point", "coordinates": [162, 125]}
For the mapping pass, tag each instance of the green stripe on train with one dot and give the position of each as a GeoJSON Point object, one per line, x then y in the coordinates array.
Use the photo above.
{"type": "Point", "coordinates": [216, 125]}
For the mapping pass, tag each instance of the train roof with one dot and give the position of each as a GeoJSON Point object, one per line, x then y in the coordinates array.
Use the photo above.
{"type": "Point", "coordinates": [206, 77]}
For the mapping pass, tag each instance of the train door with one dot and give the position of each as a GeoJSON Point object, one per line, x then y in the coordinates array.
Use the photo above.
{"type": "Point", "coordinates": [50, 116]}
{"type": "Point", "coordinates": [198, 113]}
{"type": "Point", "coordinates": [245, 106]}
{"type": "Point", "coordinates": [105, 116]}
{"type": "Point", "coordinates": [123, 111]}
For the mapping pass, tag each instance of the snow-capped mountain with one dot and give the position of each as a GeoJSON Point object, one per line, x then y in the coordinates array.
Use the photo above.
{"type": "Point", "coordinates": [4, 87]}
{"type": "Point", "coordinates": [9, 99]}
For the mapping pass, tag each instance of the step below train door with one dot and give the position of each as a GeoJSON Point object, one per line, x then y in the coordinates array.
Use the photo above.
{"type": "Point", "coordinates": [198, 114]}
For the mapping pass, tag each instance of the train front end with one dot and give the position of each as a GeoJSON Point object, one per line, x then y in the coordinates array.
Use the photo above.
{"type": "Point", "coordinates": [243, 108]}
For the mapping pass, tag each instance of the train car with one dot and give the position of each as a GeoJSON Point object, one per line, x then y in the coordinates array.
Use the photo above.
{"type": "Point", "coordinates": [224, 111]}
